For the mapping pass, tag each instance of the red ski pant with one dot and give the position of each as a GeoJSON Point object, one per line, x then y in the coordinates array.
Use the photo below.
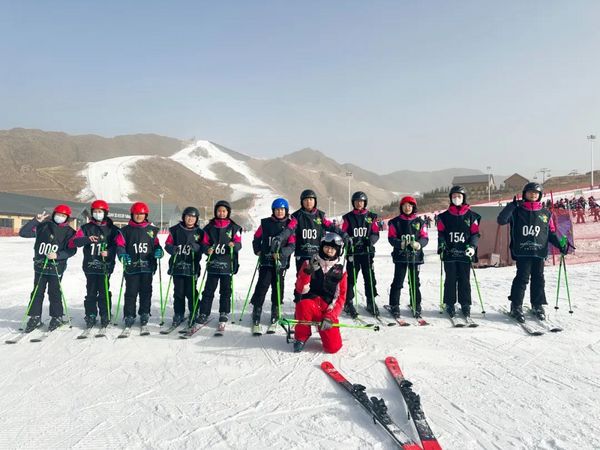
{"type": "Point", "coordinates": [314, 309]}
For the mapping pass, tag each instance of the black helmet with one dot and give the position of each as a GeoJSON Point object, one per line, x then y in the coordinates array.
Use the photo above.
{"type": "Point", "coordinates": [308, 193]}
{"type": "Point", "coordinates": [360, 195]}
{"type": "Point", "coordinates": [190, 211]}
{"type": "Point", "coordinates": [458, 190]}
{"type": "Point", "coordinates": [224, 204]}
{"type": "Point", "coordinates": [331, 240]}
{"type": "Point", "coordinates": [533, 186]}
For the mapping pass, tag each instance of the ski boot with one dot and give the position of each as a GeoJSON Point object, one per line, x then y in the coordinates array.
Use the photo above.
{"type": "Point", "coordinates": [256, 313]}
{"type": "Point", "coordinates": [104, 321]}
{"type": "Point", "coordinates": [516, 311]}
{"type": "Point", "coordinates": [144, 318]}
{"type": "Point", "coordinates": [129, 321]}
{"type": "Point", "coordinates": [33, 323]}
{"type": "Point", "coordinates": [417, 312]}
{"type": "Point", "coordinates": [177, 319]}
{"type": "Point", "coordinates": [202, 319]}
{"type": "Point", "coordinates": [223, 317]}
{"type": "Point", "coordinates": [298, 346]}
{"type": "Point", "coordinates": [465, 310]}
{"type": "Point", "coordinates": [55, 322]}
{"type": "Point", "coordinates": [450, 310]}
{"type": "Point", "coordinates": [539, 312]}
{"type": "Point", "coordinates": [350, 309]}
{"type": "Point", "coordinates": [372, 309]}
{"type": "Point", "coordinates": [90, 320]}
{"type": "Point", "coordinates": [395, 311]}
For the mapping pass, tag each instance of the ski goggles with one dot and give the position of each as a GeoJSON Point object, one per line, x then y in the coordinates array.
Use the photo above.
{"type": "Point", "coordinates": [333, 238]}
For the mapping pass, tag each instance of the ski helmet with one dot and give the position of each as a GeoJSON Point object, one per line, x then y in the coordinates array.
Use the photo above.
{"type": "Point", "coordinates": [100, 204]}
{"type": "Point", "coordinates": [224, 204]}
{"type": "Point", "coordinates": [190, 211]}
{"type": "Point", "coordinates": [139, 208]}
{"type": "Point", "coordinates": [533, 186]}
{"type": "Point", "coordinates": [334, 240]}
{"type": "Point", "coordinates": [308, 193]}
{"type": "Point", "coordinates": [280, 203]}
{"type": "Point", "coordinates": [62, 209]}
{"type": "Point", "coordinates": [360, 195]}
{"type": "Point", "coordinates": [411, 200]}
{"type": "Point", "coordinates": [458, 190]}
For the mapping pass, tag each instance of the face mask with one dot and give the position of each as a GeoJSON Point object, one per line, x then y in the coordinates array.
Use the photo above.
{"type": "Point", "coordinates": [59, 218]}
{"type": "Point", "coordinates": [99, 216]}
{"type": "Point", "coordinates": [457, 201]}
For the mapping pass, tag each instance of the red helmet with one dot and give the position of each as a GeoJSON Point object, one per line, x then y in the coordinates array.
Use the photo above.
{"type": "Point", "coordinates": [408, 199]}
{"type": "Point", "coordinates": [139, 208]}
{"type": "Point", "coordinates": [63, 209]}
{"type": "Point", "coordinates": [100, 204]}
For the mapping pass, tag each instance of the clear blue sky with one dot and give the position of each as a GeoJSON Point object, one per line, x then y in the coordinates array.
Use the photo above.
{"type": "Point", "coordinates": [386, 84]}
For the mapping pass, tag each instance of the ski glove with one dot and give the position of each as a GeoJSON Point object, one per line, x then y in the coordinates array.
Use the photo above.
{"type": "Point", "coordinates": [441, 248]}
{"type": "Point", "coordinates": [158, 253]}
{"type": "Point", "coordinates": [326, 324]}
{"type": "Point", "coordinates": [470, 251]}
{"type": "Point", "coordinates": [416, 246]}
{"type": "Point", "coordinates": [297, 297]}
{"type": "Point", "coordinates": [275, 244]}
{"type": "Point", "coordinates": [125, 258]}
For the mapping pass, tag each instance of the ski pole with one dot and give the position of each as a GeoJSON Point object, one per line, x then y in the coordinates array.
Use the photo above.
{"type": "Point", "coordinates": [120, 293]}
{"type": "Point", "coordinates": [172, 266]}
{"type": "Point", "coordinates": [197, 295]}
{"type": "Point", "coordinates": [370, 278]}
{"type": "Point", "coordinates": [441, 285]}
{"type": "Point", "coordinates": [477, 286]}
{"type": "Point", "coordinates": [108, 305]}
{"type": "Point", "coordinates": [558, 284]}
{"type": "Point", "coordinates": [368, 326]}
{"type": "Point", "coordinates": [33, 294]}
{"type": "Point", "coordinates": [567, 283]}
{"type": "Point", "coordinates": [354, 273]}
{"type": "Point", "coordinates": [249, 289]}
{"type": "Point", "coordinates": [232, 289]}
{"type": "Point", "coordinates": [278, 285]}
{"type": "Point", "coordinates": [62, 295]}
{"type": "Point", "coordinates": [162, 302]}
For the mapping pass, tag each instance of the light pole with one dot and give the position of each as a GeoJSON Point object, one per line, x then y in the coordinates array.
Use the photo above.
{"type": "Point", "coordinates": [489, 169]}
{"type": "Point", "coordinates": [592, 138]}
{"type": "Point", "coordinates": [162, 195]}
{"type": "Point", "coordinates": [543, 171]}
{"type": "Point", "coordinates": [349, 175]}
{"type": "Point", "coordinates": [329, 207]}
{"type": "Point", "coordinates": [334, 208]}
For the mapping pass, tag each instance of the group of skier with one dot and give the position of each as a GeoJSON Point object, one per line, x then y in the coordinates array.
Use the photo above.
{"type": "Point", "coordinates": [329, 259]}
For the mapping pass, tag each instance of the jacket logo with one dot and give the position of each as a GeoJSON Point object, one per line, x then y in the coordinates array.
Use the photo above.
{"type": "Point", "coordinates": [150, 233]}
{"type": "Point", "coordinates": [228, 234]}
{"type": "Point", "coordinates": [417, 226]}
{"type": "Point", "coordinates": [544, 218]}
{"type": "Point", "coordinates": [318, 221]}
{"type": "Point", "coordinates": [369, 220]}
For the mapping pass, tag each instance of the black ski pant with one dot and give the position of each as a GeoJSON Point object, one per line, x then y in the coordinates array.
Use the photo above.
{"type": "Point", "coordinates": [526, 268]}
{"type": "Point", "coordinates": [362, 263]}
{"type": "Point", "coordinates": [183, 287]}
{"type": "Point", "coordinates": [400, 271]}
{"type": "Point", "coordinates": [95, 298]}
{"type": "Point", "coordinates": [267, 278]}
{"type": "Point", "coordinates": [138, 284]}
{"type": "Point", "coordinates": [54, 295]}
{"type": "Point", "coordinates": [212, 280]}
{"type": "Point", "coordinates": [458, 278]}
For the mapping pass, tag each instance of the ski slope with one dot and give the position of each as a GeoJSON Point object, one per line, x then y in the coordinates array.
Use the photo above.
{"type": "Point", "coordinates": [109, 179]}
{"type": "Point", "coordinates": [492, 387]}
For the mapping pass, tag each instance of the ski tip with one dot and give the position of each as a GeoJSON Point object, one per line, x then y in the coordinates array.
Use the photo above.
{"type": "Point", "coordinates": [431, 444]}
{"type": "Point", "coordinates": [326, 365]}
{"type": "Point", "coordinates": [391, 360]}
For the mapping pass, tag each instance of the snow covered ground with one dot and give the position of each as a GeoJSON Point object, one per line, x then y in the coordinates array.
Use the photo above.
{"type": "Point", "coordinates": [493, 387]}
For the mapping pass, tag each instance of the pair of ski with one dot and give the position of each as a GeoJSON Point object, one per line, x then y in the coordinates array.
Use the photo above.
{"type": "Point", "coordinates": [257, 330]}
{"type": "Point", "coordinates": [189, 332]}
{"type": "Point", "coordinates": [378, 410]}
{"type": "Point", "coordinates": [537, 327]}
{"type": "Point", "coordinates": [88, 331]}
{"type": "Point", "coordinates": [403, 323]}
{"type": "Point", "coordinates": [144, 331]}
{"type": "Point", "coordinates": [462, 321]}
{"type": "Point", "coordinates": [34, 336]}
